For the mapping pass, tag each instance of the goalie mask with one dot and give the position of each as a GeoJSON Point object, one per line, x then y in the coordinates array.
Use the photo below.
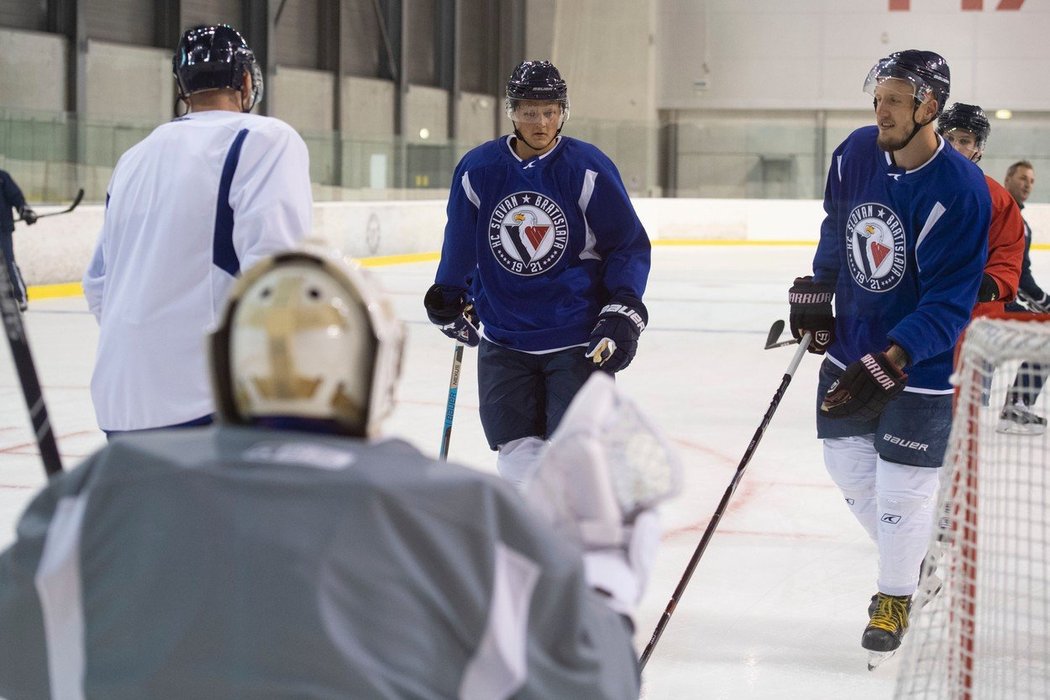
{"type": "Point", "coordinates": [306, 343]}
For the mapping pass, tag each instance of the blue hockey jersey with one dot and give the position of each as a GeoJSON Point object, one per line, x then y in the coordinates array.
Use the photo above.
{"type": "Point", "coordinates": [541, 244]}
{"type": "Point", "coordinates": [905, 250]}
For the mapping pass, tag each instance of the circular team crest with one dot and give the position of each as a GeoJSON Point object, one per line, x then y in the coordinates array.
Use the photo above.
{"type": "Point", "coordinates": [528, 233]}
{"type": "Point", "coordinates": [875, 247]}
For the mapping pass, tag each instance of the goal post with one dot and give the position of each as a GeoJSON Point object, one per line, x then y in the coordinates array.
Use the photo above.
{"type": "Point", "coordinates": [986, 634]}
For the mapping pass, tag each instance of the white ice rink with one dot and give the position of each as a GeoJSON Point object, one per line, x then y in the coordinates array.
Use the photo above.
{"type": "Point", "coordinates": [778, 602]}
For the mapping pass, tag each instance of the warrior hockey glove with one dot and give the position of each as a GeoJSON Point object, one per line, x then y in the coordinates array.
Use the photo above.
{"type": "Point", "coordinates": [29, 216]}
{"type": "Point", "coordinates": [864, 388]}
{"type": "Point", "coordinates": [989, 290]}
{"type": "Point", "coordinates": [614, 340]}
{"type": "Point", "coordinates": [448, 308]}
{"type": "Point", "coordinates": [811, 311]}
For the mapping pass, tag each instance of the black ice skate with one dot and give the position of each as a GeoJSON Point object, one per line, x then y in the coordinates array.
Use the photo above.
{"type": "Point", "coordinates": [889, 621]}
{"type": "Point", "coordinates": [1019, 419]}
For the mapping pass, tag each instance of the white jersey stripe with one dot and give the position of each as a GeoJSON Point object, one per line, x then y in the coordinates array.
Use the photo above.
{"type": "Point", "coordinates": [57, 583]}
{"type": "Point", "coordinates": [469, 191]}
{"type": "Point", "coordinates": [498, 668]}
{"type": "Point", "coordinates": [935, 214]}
{"type": "Point", "coordinates": [588, 252]}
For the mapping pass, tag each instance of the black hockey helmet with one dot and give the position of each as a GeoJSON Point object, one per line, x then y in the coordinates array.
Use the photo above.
{"type": "Point", "coordinates": [537, 80]}
{"type": "Point", "coordinates": [211, 57]}
{"type": "Point", "coordinates": [967, 117]}
{"type": "Point", "coordinates": [925, 70]}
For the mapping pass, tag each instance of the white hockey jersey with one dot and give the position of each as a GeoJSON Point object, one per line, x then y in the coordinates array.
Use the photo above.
{"type": "Point", "coordinates": [197, 201]}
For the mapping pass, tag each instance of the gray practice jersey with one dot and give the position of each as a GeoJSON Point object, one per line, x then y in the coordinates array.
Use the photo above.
{"type": "Point", "coordinates": [239, 563]}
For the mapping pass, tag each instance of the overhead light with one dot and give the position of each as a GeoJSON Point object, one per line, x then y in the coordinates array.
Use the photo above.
{"type": "Point", "coordinates": [424, 133]}
{"type": "Point", "coordinates": [1003, 114]}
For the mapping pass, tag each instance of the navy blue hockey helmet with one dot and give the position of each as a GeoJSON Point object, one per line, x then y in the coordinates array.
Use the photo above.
{"type": "Point", "coordinates": [211, 57]}
{"type": "Point", "coordinates": [925, 70]}
{"type": "Point", "coordinates": [540, 81]}
{"type": "Point", "coordinates": [967, 117]}
{"type": "Point", "coordinates": [537, 80]}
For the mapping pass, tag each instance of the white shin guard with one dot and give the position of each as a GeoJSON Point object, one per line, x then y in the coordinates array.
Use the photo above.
{"type": "Point", "coordinates": [518, 460]}
{"type": "Point", "coordinates": [906, 501]}
{"type": "Point", "coordinates": [850, 462]}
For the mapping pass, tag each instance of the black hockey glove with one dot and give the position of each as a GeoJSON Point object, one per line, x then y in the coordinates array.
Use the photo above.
{"type": "Point", "coordinates": [864, 388]}
{"type": "Point", "coordinates": [811, 311]}
{"type": "Point", "coordinates": [989, 290]}
{"type": "Point", "coordinates": [448, 308]}
{"type": "Point", "coordinates": [614, 340]}
{"type": "Point", "coordinates": [29, 216]}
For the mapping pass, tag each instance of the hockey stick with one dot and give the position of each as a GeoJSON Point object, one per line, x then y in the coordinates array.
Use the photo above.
{"type": "Point", "coordinates": [721, 509]}
{"type": "Point", "coordinates": [774, 334]}
{"type": "Point", "coordinates": [450, 407]}
{"type": "Point", "coordinates": [16, 337]}
{"type": "Point", "coordinates": [71, 207]}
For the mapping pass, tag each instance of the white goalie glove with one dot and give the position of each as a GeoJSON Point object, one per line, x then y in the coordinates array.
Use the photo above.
{"type": "Point", "coordinates": [605, 471]}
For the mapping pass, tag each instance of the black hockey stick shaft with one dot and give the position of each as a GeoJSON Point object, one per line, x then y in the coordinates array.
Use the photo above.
{"type": "Point", "coordinates": [16, 337]}
{"type": "Point", "coordinates": [71, 207]}
{"type": "Point", "coordinates": [450, 407]}
{"type": "Point", "coordinates": [723, 504]}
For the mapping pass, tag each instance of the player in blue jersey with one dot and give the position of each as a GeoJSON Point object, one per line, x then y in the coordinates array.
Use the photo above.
{"type": "Point", "coordinates": [545, 250]}
{"type": "Point", "coordinates": [11, 198]}
{"type": "Point", "coordinates": [901, 252]}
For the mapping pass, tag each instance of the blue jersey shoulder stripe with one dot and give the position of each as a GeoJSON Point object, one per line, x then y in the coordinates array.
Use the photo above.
{"type": "Point", "coordinates": [223, 254]}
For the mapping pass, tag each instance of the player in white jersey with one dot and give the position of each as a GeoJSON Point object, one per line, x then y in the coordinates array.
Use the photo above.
{"type": "Point", "coordinates": [201, 198]}
{"type": "Point", "coordinates": [289, 552]}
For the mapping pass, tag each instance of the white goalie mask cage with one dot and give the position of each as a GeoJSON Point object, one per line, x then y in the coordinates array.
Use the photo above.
{"type": "Point", "coordinates": [306, 337]}
{"type": "Point", "coordinates": [606, 464]}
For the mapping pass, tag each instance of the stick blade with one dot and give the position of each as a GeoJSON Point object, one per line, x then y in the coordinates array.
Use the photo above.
{"type": "Point", "coordinates": [774, 334]}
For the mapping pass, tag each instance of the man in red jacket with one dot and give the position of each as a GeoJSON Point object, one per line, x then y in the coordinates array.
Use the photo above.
{"type": "Point", "coordinates": [965, 128]}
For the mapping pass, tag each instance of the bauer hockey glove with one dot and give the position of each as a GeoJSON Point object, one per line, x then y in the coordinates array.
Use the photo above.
{"type": "Point", "coordinates": [449, 310]}
{"type": "Point", "coordinates": [864, 388]}
{"type": "Point", "coordinates": [811, 311]}
{"type": "Point", "coordinates": [614, 340]}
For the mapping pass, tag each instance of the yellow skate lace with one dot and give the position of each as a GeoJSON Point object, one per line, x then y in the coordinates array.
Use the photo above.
{"type": "Point", "coordinates": [891, 614]}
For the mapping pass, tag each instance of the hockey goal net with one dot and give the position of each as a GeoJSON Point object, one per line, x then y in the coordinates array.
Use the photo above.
{"type": "Point", "coordinates": [986, 634]}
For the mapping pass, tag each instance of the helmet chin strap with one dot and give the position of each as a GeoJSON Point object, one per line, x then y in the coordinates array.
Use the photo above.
{"type": "Point", "coordinates": [918, 127]}
{"type": "Point", "coordinates": [519, 135]}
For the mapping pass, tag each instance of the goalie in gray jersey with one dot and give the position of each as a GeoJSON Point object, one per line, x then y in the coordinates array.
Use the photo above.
{"type": "Point", "coordinates": [289, 552]}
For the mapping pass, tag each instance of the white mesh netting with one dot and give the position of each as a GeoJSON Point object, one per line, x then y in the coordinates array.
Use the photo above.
{"type": "Point", "coordinates": [987, 633]}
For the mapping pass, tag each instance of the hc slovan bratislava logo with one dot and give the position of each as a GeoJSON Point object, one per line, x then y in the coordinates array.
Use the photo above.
{"type": "Point", "coordinates": [875, 247]}
{"type": "Point", "coordinates": [528, 233]}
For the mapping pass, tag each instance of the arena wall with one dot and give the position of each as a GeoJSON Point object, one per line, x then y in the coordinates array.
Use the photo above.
{"type": "Point", "coordinates": [57, 249]}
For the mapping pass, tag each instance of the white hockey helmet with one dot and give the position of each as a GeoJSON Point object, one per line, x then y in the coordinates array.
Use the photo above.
{"type": "Point", "coordinates": [306, 342]}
